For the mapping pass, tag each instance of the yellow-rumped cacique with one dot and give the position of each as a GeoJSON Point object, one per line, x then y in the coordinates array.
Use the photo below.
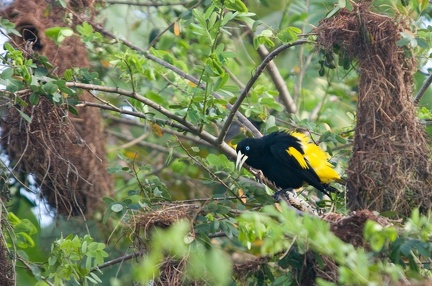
{"type": "Point", "coordinates": [289, 160]}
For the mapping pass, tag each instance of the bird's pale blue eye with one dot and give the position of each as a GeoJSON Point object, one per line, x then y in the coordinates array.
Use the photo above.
{"type": "Point", "coordinates": [247, 148]}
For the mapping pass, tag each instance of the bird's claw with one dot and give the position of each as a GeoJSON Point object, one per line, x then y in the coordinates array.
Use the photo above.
{"type": "Point", "coordinates": [259, 176]}
{"type": "Point", "coordinates": [277, 195]}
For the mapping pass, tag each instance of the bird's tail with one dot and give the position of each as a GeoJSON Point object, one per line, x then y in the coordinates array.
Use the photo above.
{"type": "Point", "coordinates": [341, 181]}
{"type": "Point", "coordinates": [331, 189]}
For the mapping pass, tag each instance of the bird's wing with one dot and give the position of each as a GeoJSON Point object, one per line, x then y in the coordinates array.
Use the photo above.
{"type": "Point", "coordinates": [293, 158]}
{"type": "Point", "coordinates": [290, 156]}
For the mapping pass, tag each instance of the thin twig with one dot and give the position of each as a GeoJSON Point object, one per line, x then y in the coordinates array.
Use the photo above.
{"type": "Point", "coordinates": [207, 137]}
{"type": "Point", "coordinates": [119, 260]}
{"type": "Point", "coordinates": [134, 95]}
{"type": "Point", "coordinates": [128, 112]}
{"type": "Point", "coordinates": [152, 4]}
{"type": "Point", "coordinates": [423, 89]}
{"type": "Point", "coordinates": [159, 35]}
{"type": "Point", "coordinates": [30, 268]}
{"type": "Point", "coordinates": [204, 200]}
{"type": "Point", "coordinates": [210, 172]}
{"type": "Point", "coordinates": [243, 120]}
{"type": "Point", "coordinates": [249, 85]}
{"type": "Point", "coordinates": [194, 139]}
{"type": "Point", "coordinates": [217, 234]}
{"type": "Point", "coordinates": [276, 76]}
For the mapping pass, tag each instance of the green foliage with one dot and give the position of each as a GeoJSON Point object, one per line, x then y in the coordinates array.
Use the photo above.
{"type": "Point", "coordinates": [414, 244]}
{"type": "Point", "coordinates": [33, 74]}
{"type": "Point", "coordinates": [21, 233]}
{"type": "Point", "coordinates": [58, 34]}
{"type": "Point", "coordinates": [309, 233]}
{"type": "Point", "coordinates": [176, 86]}
{"type": "Point", "coordinates": [9, 27]}
{"type": "Point", "coordinates": [379, 236]}
{"type": "Point", "coordinates": [74, 259]}
{"type": "Point", "coordinates": [267, 37]}
{"type": "Point", "coordinates": [21, 67]}
{"type": "Point", "coordinates": [210, 265]}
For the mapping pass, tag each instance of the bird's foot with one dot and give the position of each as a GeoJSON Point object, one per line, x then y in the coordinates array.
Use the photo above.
{"type": "Point", "coordinates": [277, 195]}
{"type": "Point", "coordinates": [259, 176]}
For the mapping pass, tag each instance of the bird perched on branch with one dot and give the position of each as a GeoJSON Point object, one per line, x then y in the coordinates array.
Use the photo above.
{"type": "Point", "coordinates": [289, 160]}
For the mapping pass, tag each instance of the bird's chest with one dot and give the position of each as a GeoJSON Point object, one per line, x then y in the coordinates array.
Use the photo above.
{"type": "Point", "coordinates": [262, 160]}
{"type": "Point", "coordinates": [268, 164]}
{"type": "Point", "coordinates": [281, 174]}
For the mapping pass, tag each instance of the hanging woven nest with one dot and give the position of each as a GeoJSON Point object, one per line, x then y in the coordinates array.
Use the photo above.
{"type": "Point", "coordinates": [64, 152]}
{"type": "Point", "coordinates": [389, 169]}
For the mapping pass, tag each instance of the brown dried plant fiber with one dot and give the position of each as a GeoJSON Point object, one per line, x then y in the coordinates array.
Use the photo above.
{"type": "Point", "coordinates": [171, 270]}
{"type": "Point", "coordinates": [7, 273]}
{"type": "Point", "coordinates": [389, 169]}
{"type": "Point", "coordinates": [65, 153]}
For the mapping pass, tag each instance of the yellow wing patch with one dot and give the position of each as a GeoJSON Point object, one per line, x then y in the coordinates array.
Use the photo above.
{"type": "Point", "coordinates": [317, 158]}
{"type": "Point", "coordinates": [298, 156]}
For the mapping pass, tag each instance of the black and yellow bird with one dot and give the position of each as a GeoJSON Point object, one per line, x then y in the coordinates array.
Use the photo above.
{"type": "Point", "coordinates": [289, 160]}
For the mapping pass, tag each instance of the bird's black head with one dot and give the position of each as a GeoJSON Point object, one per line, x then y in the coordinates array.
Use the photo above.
{"type": "Point", "coordinates": [247, 146]}
{"type": "Point", "coordinates": [248, 150]}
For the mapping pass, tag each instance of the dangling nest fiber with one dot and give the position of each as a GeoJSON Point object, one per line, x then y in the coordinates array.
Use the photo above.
{"type": "Point", "coordinates": [65, 153]}
{"type": "Point", "coordinates": [7, 273]}
{"type": "Point", "coordinates": [389, 169]}
{"type": "Point", "coordinates": [145, 222]}
{"type": "Point", "coordinates": [171, 270]}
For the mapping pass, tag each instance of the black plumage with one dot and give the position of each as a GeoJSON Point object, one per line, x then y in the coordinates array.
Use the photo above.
{"type": "Point", "coordinates": [288, 160]}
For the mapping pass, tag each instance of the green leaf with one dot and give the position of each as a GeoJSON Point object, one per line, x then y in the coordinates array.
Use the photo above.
{"type": "Point", "coordinates": [333, 12]}
{"type": "Point", "coordinates": [7, 73]}
{"type": "Point", "coordinates": [25, 116]}
{"type": "Point", "coordinates": [85, 29]}
{"type": "Point", "coordinates": [289, 34]}
{"type": "Point", "coordinates": [34, 98]}
{"type": "Point", "coordinates": [23, 240]}
{"type": "Point", "coordinates": [73, 110]}
{"type": "Point", "coordinates": [236, 5]}
{"type": "Point", "coordinates": [117, 207]}
{"type": "Point", "coordinates": [342, 3]}
{"type": "Point", "coordinates": [58, 34]}
{"type": "Point", "coordinates": [422, 4]}
{"type": "Point", "coordinates": [219, 161]}
{"type": "Point", "coordinates": [95, 278]}
{"type": "Point", "coordinates": [156, 98]}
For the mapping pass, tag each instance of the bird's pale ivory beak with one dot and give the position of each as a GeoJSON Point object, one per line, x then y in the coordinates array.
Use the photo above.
{"type": "Point", "coordinates": [241, 158]}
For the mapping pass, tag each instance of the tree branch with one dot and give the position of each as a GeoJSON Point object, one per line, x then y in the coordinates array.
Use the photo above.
{"type": "Point", "coordinates": [119, 260]}
{"type": "Point", "coordinates": [249, 85]}
{"type": "Point", "coordinates": [182, 135]}
{"type": "Point", "coordinates": [278, 80]}
{"type": "Point", "coordinates": [192, 128]}
{"type": "Point", "coordinates": [185, 125]}
{"type": "Point", "coordinates": [243, 120]}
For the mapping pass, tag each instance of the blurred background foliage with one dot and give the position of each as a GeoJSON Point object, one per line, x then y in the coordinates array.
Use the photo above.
{"type": "Point", "coordinates": [159, 164]}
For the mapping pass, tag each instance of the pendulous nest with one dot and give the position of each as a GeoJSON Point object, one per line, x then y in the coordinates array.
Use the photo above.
{"type": "Point", "coordinates": [7, 273]}
{"type": "Point", "coordinates": [145, 222]}
{"type": "Point", "coordinates": [65, 153]}
{"type": "Point", "coordinates": [171, 270]}
{"type": "Point", "coordinates": [350, 230]}
{"type": "Point", "coordinates": [389, 169]}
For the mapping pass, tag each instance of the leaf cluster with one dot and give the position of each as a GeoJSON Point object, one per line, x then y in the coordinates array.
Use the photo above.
{"type": "Point", "coordinates": [193, 91]}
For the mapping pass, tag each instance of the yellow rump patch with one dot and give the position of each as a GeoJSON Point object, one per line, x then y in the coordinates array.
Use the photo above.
{"type": "Point", "coordinates": [298, 156]}
{"type": "Point", "coordinates": [316, 157]}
